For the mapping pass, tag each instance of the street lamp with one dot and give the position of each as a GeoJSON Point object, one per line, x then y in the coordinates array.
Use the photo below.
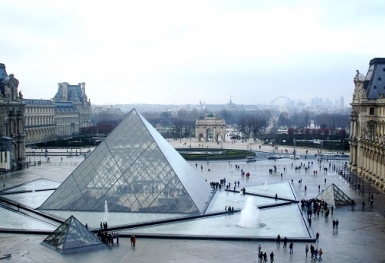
{"type": "Point", "coordinates": [294, 152]}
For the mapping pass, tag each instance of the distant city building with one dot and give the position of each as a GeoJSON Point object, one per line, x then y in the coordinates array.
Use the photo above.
{"type": "Point", "coordinates": [231, 106]}
{"type": "Point", "coordinates": [12, 144]}
{"type": "Point", "coordinates": [367, 155]}
{"type": "Point", "coordinates": [73, 109]}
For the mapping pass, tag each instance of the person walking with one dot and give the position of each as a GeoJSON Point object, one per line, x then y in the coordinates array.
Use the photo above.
{"type": "Point", "coordinates": [285, 242]}
{"type": "Point", "coordinates": [291, 248]}
{"type": "Point", "coordinates": [316, 237]}
{"type": "Point", "coordinates": [259, 249]}
{"type": "Point", "coordinates": [311, 251]}
{"type": "Point", "coordinates": [320, 254]}
{"type": "Point", "coordinates": [315, 254]}
{"type": "Point", "coordinates": [306, 250]}
{"type": "Point", "coordinates": [363, 205]}
{"type": "Point", "coordinates": [279, 240]}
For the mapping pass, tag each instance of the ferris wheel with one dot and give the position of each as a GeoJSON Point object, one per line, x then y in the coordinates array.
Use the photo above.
{"type": "Point", "coordinates": [278, 106]}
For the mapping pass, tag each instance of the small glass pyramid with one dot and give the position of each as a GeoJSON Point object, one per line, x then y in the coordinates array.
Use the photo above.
{"type": "Point", "coordinates": [133, 170]}
{"type": "Point", "coordinates": [334, 196]}
{"type": "Point", "coordinates": [72, 237]}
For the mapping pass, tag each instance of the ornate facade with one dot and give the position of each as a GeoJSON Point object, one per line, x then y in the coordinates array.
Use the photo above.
{"type": "Point", "coordinates": [73, 109]}
{"type": "Point", "coordinates": [11, 121]}
{"type": "Point", "coordinates": [367, 136]}
{"type": "Point", "coordinates": [39, 121]}
{"type": "Point", "coordinates": [210, 128]}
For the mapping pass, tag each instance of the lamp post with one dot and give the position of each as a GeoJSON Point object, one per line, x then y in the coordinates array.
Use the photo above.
{"type": "Point", "coordinates": [294, 152]}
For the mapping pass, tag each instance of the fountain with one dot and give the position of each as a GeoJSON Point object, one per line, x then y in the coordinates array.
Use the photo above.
{"type": "Point", "coordinates": [105, 210]}
{"type": "Point", "coordinates": [249, 214]}
{"type": "Point", "coordinates": [265, 186]}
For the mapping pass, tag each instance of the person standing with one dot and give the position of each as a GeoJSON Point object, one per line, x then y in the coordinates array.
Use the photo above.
{"type": "Point", "coordinates": [259, 249]}
{"type": "Point", "coordinates": [285, 242]}
{"type": "Point", "coordinates": [271, 257]}
{"type": "Point", "coordinates": [306, 250]}
{"type": "Point", "coordinates": [279, 240]}
{"type": "Point", "coordinates": [316, 237]}
{"type": "Point", "coordinates": [311, 251]}
{"type": "Point", "coordinates": [291, 248]}
{"type": "Point", "coordinates": [363, 205]}
{"type": "Point", "coordinates": [133, 241]}
{"type": "Point", "coordinates": [320, 254]}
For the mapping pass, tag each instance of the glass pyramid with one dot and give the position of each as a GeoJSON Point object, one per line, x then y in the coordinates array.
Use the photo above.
{"type": "Point", "coordinates": [72, 237]}
{"type": "Point", "coordinates": [133, 170]}
{"type": "Point", "coordinates": [334, 196]}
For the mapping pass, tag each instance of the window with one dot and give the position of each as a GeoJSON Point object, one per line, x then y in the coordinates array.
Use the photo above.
{"type": "Point", "coordinates": [371, 131]}
{"type": "Point", "coordinates": [371, 111]}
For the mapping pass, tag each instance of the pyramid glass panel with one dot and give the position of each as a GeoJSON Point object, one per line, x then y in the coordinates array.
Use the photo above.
{"type": "Point", "coordinates": [71, 237]}
{"type": "Point", "coordinates": [134, 170]}
{"type": "Point", "coordinates": [334, 196]}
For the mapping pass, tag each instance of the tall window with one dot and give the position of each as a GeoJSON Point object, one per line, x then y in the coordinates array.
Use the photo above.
{"type": "Point", "coordinates": [371, 111]}
{"type": "Point", "coordinates": [371, 131]}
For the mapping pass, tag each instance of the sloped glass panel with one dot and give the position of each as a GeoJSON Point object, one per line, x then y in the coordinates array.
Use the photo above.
{"type": "Point", "coordinates": [133, 169]}
{"type": "Point", "coordinates": [72, 236]}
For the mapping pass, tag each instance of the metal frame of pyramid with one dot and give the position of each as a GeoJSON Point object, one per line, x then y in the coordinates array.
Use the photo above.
{"type": "Point", "coordinates": [133, 170]}
{"type": "Point", "coordinates": [334, 196]}
{"type": "Point", "coordinates": [72, 237]}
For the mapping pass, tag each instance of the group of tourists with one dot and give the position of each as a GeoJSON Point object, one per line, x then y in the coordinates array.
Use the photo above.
{"type": "Point", "coordinates": [262, 256]}
{"type": "Point", "coordinates": [229, 209]}
{"type": "Point", "coordinates": [103, 225]}
{"type": "Point", "coordinates": [315, 254]}
{"type": "Point", "coordinates": [108, 238]}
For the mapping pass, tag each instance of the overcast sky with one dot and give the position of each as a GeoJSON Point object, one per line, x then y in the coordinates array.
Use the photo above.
{"type": "Point", "coordinates": [183, 52]}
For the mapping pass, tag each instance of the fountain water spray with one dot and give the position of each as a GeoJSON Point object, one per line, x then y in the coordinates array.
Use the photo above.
{"type": "Point", "coordinates": [249, 214]}
{"type": "Point", "coordinates": [265, 186]}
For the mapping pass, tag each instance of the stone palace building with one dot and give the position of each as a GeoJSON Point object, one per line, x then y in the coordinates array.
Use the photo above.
{"type": "Point", "coordinates": [29, 121]}
{"type": "Point", "coordinates": [12, 136]}
{"type": "Point", "coordinates": [367, 138]}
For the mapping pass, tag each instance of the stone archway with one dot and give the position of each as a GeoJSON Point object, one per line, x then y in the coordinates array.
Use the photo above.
{"type": "Point", "coordinates": [210, 128]}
